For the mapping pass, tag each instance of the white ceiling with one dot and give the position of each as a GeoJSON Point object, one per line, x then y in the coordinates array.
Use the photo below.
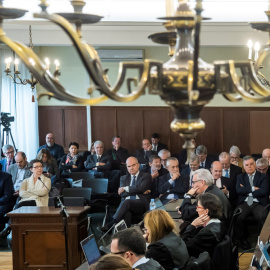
{"type": "Point", "coordinates": [150, 10]}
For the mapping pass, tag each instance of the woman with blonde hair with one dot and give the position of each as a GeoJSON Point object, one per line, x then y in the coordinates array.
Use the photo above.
{"type": "Point", "coordinates": [165, 246]}
{"type": "Point", "coordinates": [111, 262]}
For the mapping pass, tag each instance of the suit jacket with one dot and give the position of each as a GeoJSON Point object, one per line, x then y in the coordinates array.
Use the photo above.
{"type": "Point", "coordinates": [13, 170]}
{"type": "Point", "coordinates": [91, 161]}
{"type": "Point", "coordinates": [231, 187]}
{"type": "Point", "coordinates": [260, 180]}
{"type": "Point", "coordinates": [150, 265]}
{"type": "Point", "coordinates": [203, 238]}
{"type": "Point", "coordinates": [155, 181]}
{"type": "Point", "coordinates": [208, 163]}
{"type": "Point", "coordinates": [189, 212]}
{"type": "Point", "coordinates": [118, 157]}
{"type": "Point", "coordinates": [143, 158]}
{"type": "Point", "coordinates": [3, 162]}
{"type": "Point", "coordinates": [181, 186]}
{"type": "Point", "coordinates": [234, 171]}
{"type": "Point", "coordinates": [143, 183]}
{"type": "Point", "coordinates": [6, 191]}
{"type": "Point", "coordinates": [161, 146]}
{"type": "Point", "coordinates": [170, 251]}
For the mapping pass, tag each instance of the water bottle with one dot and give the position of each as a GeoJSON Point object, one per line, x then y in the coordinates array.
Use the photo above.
{"type": "Point", "coordinates": [152, 205]}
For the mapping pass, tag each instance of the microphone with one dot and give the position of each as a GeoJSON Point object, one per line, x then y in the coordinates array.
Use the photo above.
{"type": "Point", "coordinates": [43, 183]}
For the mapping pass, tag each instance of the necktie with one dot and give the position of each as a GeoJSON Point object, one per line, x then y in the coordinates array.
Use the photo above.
{"type": "Point", "coordinates": [227, 173]}
{"type": "Point", "coordinates": [133, 183]}
{"type": "Point", "coordinates": [174, 195]}
{"type": "Point", "coordinates": [202, 165]}
{"type": "Point", "coordinates": [144, 154]}
{"type": "Point", "coordinates": [8, 163]}
{"type": "Point", "coordinates": [250, 198]}
{"type": "Point", "coordinates": [98, 158]}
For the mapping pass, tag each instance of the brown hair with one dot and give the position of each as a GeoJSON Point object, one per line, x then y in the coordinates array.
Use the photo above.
{"type": "Point", "coordinates": [159, 223]}
{"type": "Point", "coordinates": [48, 154]}
{"type": "Point", "coordinates": [111, 262]}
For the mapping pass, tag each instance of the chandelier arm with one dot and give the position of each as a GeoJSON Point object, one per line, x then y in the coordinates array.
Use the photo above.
{"type": "Point", "coordinates": [262, 56]}
{"type": "Point", "coordinates": [232, 98]}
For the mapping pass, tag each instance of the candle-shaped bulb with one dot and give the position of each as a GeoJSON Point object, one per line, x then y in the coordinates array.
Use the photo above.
{"type": "Point", "coordinates": [8, 61]}
{"type": "Point", "coordinates": [57, 64]}
{"type": "Point", "coordinates": [16, 62]}
{"type": "Point", "coordinates": [250, 46]}
{"type": "Point", "coordinates": [47, 62]}
{"type": "Point", "coordinates": [256, 48]}
{"type": "Point", "coordinates": [32, 62]}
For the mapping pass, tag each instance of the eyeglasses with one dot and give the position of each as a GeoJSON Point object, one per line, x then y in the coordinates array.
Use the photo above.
{"type": "Point", "coordinates": [120, 252]}
{"type": "Point", "coordinates": [193, 182]}
{"type": "Point", "coordinates": [197, 206]}
{"type": "Point", "coordinates": [234, 158]}
{"type": "Point", "coordinates": [38, 167]}
{"type": "Point", "coordinates": [10, 152]}
{"type": "Point", "coordinates": [262, 170]}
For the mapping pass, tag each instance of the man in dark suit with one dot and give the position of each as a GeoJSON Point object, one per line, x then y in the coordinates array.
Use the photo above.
{"type": "Point", "coordinates": [144, 154]}
{"type": "Point", "coordinates": [184, 155]}
{"type": "Point", "coordinates": [6, 196]}
{"type": "Point", "coordinates": [118, 154]}
{"type": "Point", "coordinates": [98, 162]}
{"type": "Point", "coordinates": [229, 170]}
{"type": "Point", "coordinates": [134, 194]}
{"type": "Point", "coordinates": [172, 185]}
{"type": "Point", "coordinates": [252, 189]}
{"type": "Point", "coordinates": [156, 144]}
{"type": "Point", "coordinates": [156, 170]}
{"type": "Point", "coordinates": [224, 183]}
{"type": "Point", "coordinates": [189, 171]}
{"type": "Point", "coordinates": [9, 152]}
{"type": "Point", "coordinates": [205, 161]}
{"type": "Point", "coordinates": [130, 244]}
{"type": "Point", "coordinates": [262, 167]}
{"type": "Point", "coordinates": [203, 183]}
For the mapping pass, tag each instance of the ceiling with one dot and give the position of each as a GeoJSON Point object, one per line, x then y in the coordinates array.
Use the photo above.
{"type": "Point", "coordinates": [150, 10]}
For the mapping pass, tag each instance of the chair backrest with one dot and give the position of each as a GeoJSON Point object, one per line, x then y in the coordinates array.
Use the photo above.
{"type": "Point", "coordinates": [222, 255]}
{"type": "Point", "coordinates": [73, 201]}
{"type": "Point", "coordinates": [201, 263]}
{"type": "Point", "coordinates": [81, 175]}
{"type": "Point", "coordinates": [232, 223]}
{"type": "Point", "coordinates": [51, 201]}
{"type": "Point", "coordinates": [98, 185]}
{"type": "Point", "coordinates": [78, 192]}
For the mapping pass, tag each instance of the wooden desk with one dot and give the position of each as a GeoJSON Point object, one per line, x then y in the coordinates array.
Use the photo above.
{"type": "Point", "coordinates": [38, 241]}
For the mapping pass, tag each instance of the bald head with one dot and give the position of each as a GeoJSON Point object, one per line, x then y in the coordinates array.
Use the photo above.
{"type": "Point", "coordinates": [266, 154]}
{"type": "Point", "coordinates": [216, 169]}
{"type": "Point", "coordinates": [21, 160]}
{"type": "Point", "coordinates": [50, 139]}
{"type": "Point", "coordinates": [132, 165]}
{"type": "Point", "coordinates": [145, 144]}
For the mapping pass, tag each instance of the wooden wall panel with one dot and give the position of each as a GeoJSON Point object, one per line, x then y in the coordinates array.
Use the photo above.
{"type": "Point", "coordinates": [75, 127]}
{"type": "Point", "coordinates": [50, 120]}
{"type": "Point", "coordinates": [130, 127]}
{"type": "Point", "coordinates": [259, 131]}
{"type": "Point", "coordinates": [236, 130]}
{"type": "Point", "coordinates": [103, 127]}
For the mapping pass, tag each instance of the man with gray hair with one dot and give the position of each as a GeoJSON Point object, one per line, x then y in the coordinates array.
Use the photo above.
{"type": "Point", "coordinates": [194, 165]}
{"type": "Point", "coordinates": [266, 154]}
{"type": "Point", "coordinates": [164, 154]}
{"type": "Point", "coordinates": [8, 151]}
{"type": "Point", "coordinates": [205, 161]}
{"type": "Point", "coordinates": [235, 157]}
{"type": "Point", "coordinates": [229, 170]}
{"type": "Point", "coordinates": [203, 183]}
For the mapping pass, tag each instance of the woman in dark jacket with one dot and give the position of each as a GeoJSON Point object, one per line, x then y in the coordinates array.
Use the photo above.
{"type": "Point", "coordinates": [50, 166]}
{"type": "Point", "coordinates": [72, 162]}
{"type": "Point", "coordinates": [206, 231]}
{"type": "Point", "coordinates": [165, 246]}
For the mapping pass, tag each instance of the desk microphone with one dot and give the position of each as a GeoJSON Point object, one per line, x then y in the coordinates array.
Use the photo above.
{"type": "Point", "coordinates": [43, 184]}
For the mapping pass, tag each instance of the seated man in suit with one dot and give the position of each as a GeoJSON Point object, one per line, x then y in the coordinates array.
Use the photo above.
{"type": "Point", "coordinates": [224, 183]}
{"type": "Point", "coordinates": [205, 161]}
{"type": "Point", "coordinates": [266, 154]}
{"type": "Point", "coordinates": [184, 156]}
{"type": "Point", "coordinates": [262, 167]}
{"type": "Point", "coordinates": [117, 153]}
{"type": "Point", "coordinates": [8, 151]}
{"type": "Point", "coordinates": [189, 171]}
{"type": "Point", "coordinates": [252, 189]}
{"type": "Point", "coordinates": [172, 185]}
{"type": "Point", "coordinates": [156, 144]}
{"type": "Point", "coordinates": [132, 191]}
{"type": "Point", "coordinates": [56, 150]}
{"type": "Point", "coordinates": [156, 171]}
{"type": "Point", "coordinates": [19, 171]}
{"type": "Point", "coordinates": [131, 245]}
{"type": "Point", "coordinates": [144, 154]}
{"type": "Point", "coordinates": [100, 163]}
{"type": "Point", "coordinates": [229, 170]}
{"type": "Point", "coordinates": [6, 197]}
{"type": "Point", "coordinates": [203, 183]}
{"type": "Point", "coordinates": [164, 155]}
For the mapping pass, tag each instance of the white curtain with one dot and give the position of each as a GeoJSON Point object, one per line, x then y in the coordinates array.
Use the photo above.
{"type": "Point", "coordinates": [16, 99]}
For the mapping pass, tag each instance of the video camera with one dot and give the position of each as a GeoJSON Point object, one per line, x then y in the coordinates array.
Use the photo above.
{"type": "Point", "coordinates": [5, 119]}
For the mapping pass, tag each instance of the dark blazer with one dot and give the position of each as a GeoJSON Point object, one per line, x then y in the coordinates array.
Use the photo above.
{"type": "Point", "coordinates": [186, 171]}
{"type": "Point", "coordinates": [143, 183]}
{"type": "Point", "coordinates": [143, 158]}
{"type": "Point", "coordinates": [91, 161]}
{"type": "Point", "coordinates": [260, 180]}
{"type": "Point", "coordinates": [234, 171]}
{"type": "Point", "coordinates": [203, 239]}
{"type": "Point", "coordinates": [230, 184]}
{"type": "Point", "coordinates": [161, 146]}
{"type": "Point", "coordinates": [118, 157]}
{"type": "Point", "coordinates": [182, 157]}
{"type": "Point", "coordinates": [65, 167]}
{"type": "Point", "coordinates": [155, 181]}
{"type": "Point", "coordinates": [181, 186]}
{"type": "Point", "coordinates": [170, 251]}
{"type": "Point", "coordinates": [3, 162]}
{"type": "Point", "coordinates": [150, 265]}
{"type": "Point", "coordinates": [189, 212]}
{"type": "Point", "coordinates": [208, 163]}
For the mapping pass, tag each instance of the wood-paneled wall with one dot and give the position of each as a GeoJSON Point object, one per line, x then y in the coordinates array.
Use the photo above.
{"type": "Point", "coordinates": [247, 128]}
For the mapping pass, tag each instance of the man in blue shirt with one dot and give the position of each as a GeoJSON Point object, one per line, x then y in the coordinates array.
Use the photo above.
{"type": "Point", "coordinates": [8, 151]}
{"type": "Point", "coordinates": [56, 150]}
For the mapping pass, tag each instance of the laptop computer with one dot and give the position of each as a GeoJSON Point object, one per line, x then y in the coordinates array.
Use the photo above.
{"type": "Point", "coordinates": [90, 249]}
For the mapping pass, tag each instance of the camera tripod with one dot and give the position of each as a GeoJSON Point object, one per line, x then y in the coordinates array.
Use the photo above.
{"type": "Point", "coordinates": [6, 133]}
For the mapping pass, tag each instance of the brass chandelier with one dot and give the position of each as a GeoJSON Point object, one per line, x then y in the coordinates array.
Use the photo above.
{"type": "Point", "coordinates": [186, 83]}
